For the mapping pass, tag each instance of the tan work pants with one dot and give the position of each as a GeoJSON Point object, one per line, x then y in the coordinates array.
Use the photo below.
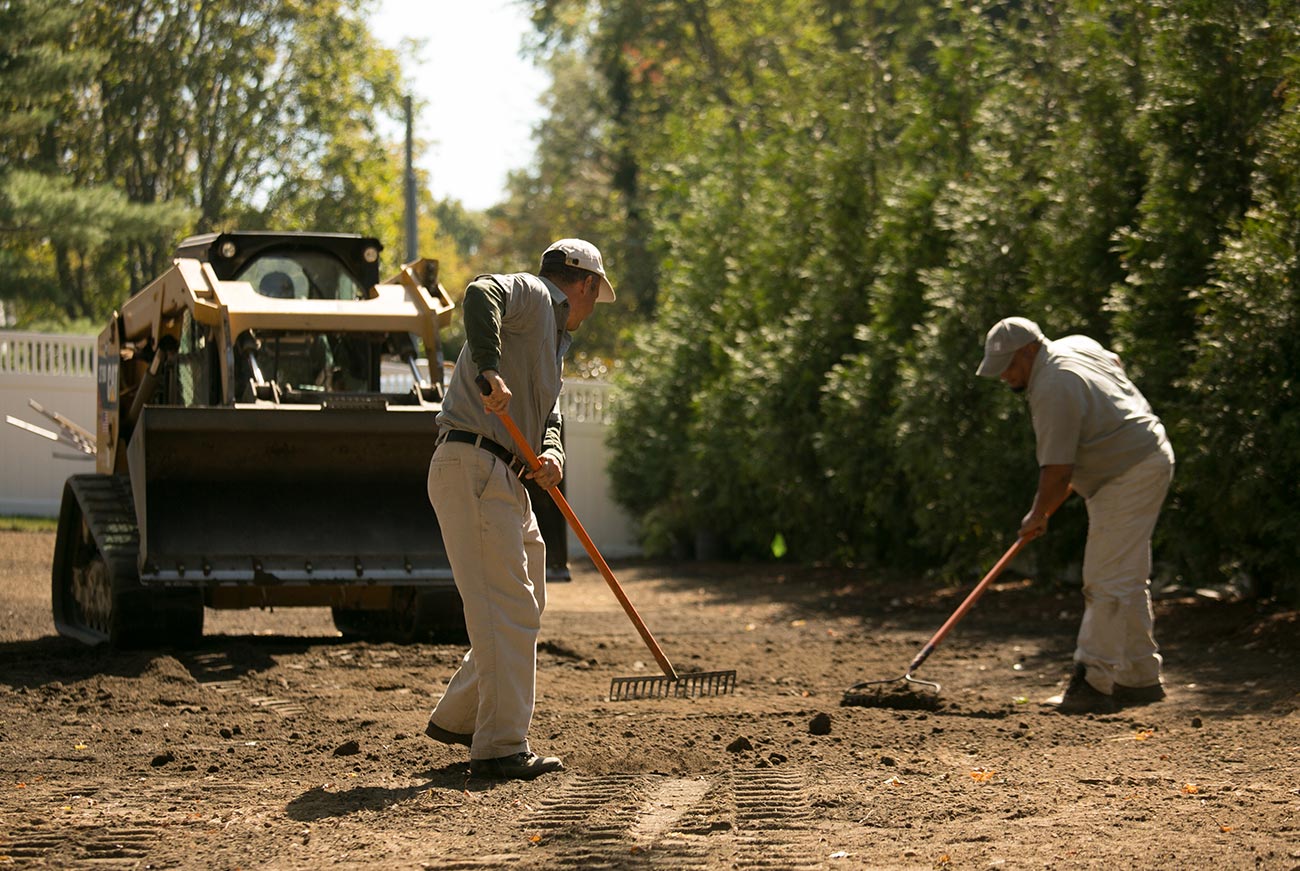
{"type": "Point", "coordinates": [498, 559]}
{"type": "Point", "coordinates": [1117, 639]}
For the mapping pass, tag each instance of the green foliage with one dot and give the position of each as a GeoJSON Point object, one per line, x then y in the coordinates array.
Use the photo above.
{"type": "Point", "coordinates": [130, 125]}
{"type": "Point", "coordinates": [14, 523]}
{"type": "Point", "coordinates": [1238, 514]}
{"type": "Point", "coordinates": [843, 195]}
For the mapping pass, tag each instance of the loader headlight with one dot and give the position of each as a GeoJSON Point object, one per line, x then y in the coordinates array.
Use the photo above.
{"type": "Point", "coordinates": [371, 254]}
{"type": "Point", "coordinates": [228, 249]}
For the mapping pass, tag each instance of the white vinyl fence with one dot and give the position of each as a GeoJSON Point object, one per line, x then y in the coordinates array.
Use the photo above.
{"type": "Point", "coordinates": [59, 373]}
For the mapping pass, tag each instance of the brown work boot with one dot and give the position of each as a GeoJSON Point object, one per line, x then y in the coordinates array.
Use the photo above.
{"type": "Point", "coordinates": [520, 766]}
{"type": "Point", "coordinates": [1081, 697]}
{"type": "Point", "coordinates": [1135, 696]}
{"type": "Point", "coordinates": [437, 733]}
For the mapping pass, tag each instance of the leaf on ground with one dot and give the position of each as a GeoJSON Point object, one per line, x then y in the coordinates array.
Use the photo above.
{"type": "Point", "coordinates": [982, 775]}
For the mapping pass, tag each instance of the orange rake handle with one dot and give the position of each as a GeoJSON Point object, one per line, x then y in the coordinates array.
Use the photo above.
{"type": "Point", "coordinates": [970, 600]}
{"type": "Point", "coordinates": [563, 504]}
{"type": "Point", "coordinates": [966, 605]}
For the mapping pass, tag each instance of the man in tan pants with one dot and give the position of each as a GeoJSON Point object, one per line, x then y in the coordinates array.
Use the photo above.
{"type": "Point", "coordinates": [1095, 435]}
{"type": "Point", "coordinates": [517, 331]}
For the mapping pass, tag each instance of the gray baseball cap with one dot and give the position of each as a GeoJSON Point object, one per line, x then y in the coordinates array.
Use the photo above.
{"type": "Point", "coordinates": [583, 255]}
{"type": "Point", "coordinates": [1007, 336]}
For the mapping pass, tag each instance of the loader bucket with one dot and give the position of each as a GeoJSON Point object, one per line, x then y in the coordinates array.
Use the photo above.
{"type": "Point", "coordinates": [304, 494]}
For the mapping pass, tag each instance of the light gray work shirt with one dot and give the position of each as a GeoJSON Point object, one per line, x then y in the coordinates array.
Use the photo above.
{"type": "Point", "coordinates": [522, 335]}
{"type": "Point", "coordinates": [1088, 414]}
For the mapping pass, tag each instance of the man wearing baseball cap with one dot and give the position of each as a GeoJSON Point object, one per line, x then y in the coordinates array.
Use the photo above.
{"type": "Point", "coordinates": [1096, 435]}
{"type": "Point", "coordinates": [517, 332]}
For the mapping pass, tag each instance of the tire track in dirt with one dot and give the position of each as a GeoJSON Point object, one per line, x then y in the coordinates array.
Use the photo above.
{"type": "Point", "coordinates": [769, 804]}
{"type": "Point", "coordinates": [139, 815]}
{"type": "Point", "coordinates": [47, 844]}
{"type": "Point", "coordinates": [215, 671]}
{"type": "Point", "coordinates": [749, 819]}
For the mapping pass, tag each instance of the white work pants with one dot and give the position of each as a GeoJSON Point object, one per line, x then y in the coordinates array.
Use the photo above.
{"type": "Point", "coordinates": [498, 559]}
{"type": "Point", "coordinates": [1116, 639]}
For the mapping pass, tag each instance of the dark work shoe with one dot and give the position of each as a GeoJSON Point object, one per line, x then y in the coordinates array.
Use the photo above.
{"type": "Point", "coordinates": [520, 766]}
{"type": "Point", "coordinates": [437, 733]}
{"type": "Point", "coordinates": [1134, 696]}
{"type": "Point", "coordinates": [1081, 697]}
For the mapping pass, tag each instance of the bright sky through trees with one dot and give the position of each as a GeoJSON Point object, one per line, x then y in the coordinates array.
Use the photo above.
{"type": "Point", "coordinates": [481, 96]}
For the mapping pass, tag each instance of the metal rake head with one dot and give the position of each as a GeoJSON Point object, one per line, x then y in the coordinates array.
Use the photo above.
{"type": "Point", "coordinates": [701, 683]}
{"type": "Point", "coordinates": [872, 694]}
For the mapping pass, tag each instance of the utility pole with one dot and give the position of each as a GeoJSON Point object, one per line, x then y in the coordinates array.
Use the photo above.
{"type": "Point", "coordinates": [412, 223]}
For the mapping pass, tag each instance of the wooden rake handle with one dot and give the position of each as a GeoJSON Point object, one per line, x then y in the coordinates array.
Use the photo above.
{"type": "Point", "coordinates": [974, 595]}
{"type": "Point", "coordinates": [563, 504]}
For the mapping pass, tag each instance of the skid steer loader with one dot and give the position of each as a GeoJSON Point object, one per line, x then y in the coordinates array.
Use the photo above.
{"type": "Point", "coordinates": [248, 454]}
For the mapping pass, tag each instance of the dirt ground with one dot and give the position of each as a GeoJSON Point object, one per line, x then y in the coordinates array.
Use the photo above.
{"type": "Point", "coordinates": [277, 745]}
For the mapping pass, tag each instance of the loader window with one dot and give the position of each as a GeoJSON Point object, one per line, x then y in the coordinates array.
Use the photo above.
{"type": "Point", "coordinates": [301, 275]}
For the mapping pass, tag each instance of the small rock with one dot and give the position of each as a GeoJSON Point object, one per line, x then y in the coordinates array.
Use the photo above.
{"type": "Point", "coordinates": [226, 733]}
{"type": "Point", "coordinates": [820, 724]}
{"type": "Point", "coordinates": [740, 745]}
{"type": "Point", "coordinates": [347, 748]}
{"type": "Point", "coordinates": [888, 761]}
{"type": "Point", "coordinates": [777, 758]}
{"type": "Point", "coordinates": [162, 759]}
{"type": "Point", "coordinates": [1196, 722]}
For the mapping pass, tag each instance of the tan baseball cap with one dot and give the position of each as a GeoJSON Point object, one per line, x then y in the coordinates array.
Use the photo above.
{"type": "Point", "coordinates": [583, 255]}
{"type": "Point", "coordinates": [1007, 336]}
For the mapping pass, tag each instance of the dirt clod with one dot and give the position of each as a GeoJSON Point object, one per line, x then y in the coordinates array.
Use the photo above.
{"type": "Point", "coordinates": [820, 724]}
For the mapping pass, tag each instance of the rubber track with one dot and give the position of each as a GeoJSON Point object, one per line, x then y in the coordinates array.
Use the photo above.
{"type": "Point", "coordinates": [145, 617]}
{"type": "Point", "coordinates": [109, 512]}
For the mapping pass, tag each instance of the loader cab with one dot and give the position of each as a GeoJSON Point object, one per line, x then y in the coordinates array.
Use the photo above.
{"type": "Point", "coordinates": [298, 274]}
{"type": "Point", "coordinates": [320, 265]}
{"type": "Point", "coordinates": [328, 359]}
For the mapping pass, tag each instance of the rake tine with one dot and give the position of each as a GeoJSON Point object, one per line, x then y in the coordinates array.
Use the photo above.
{"type": "Point", "coordinates": [907, 678]}
{"type": "Point", "coordinates": [703, 683]}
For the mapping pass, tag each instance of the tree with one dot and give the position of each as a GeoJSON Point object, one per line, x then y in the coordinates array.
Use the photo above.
{"type": "Point", "coordinates": [56, 229]}
{"type": "Point", "coordinates": [190, 117]}
{"type": "Point", "coordinates": [1241, 518]}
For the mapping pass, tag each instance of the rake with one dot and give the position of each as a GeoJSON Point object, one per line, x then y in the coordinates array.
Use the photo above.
{"type": "Point", "coordinates": [869, 693]}
{"type": "Point", "coordinates": [700, 683]}
{"type": "Point", "coordinates": [873, 695]}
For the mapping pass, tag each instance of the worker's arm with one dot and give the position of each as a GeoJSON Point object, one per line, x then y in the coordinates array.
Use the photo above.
{"type": "Point", "coordinates": [552, 452]}
{"type": "Point", "coordinates": [483, 307]}
{"type": "Point", "coordinates": [1053, 487]}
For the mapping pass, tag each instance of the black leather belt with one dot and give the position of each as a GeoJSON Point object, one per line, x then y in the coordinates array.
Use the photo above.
{"type": "Point", "coordinates": [516, 465]}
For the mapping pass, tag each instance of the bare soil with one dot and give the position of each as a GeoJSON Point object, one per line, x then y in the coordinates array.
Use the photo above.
{"type": "Point", "coordinates": [276, 745]}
